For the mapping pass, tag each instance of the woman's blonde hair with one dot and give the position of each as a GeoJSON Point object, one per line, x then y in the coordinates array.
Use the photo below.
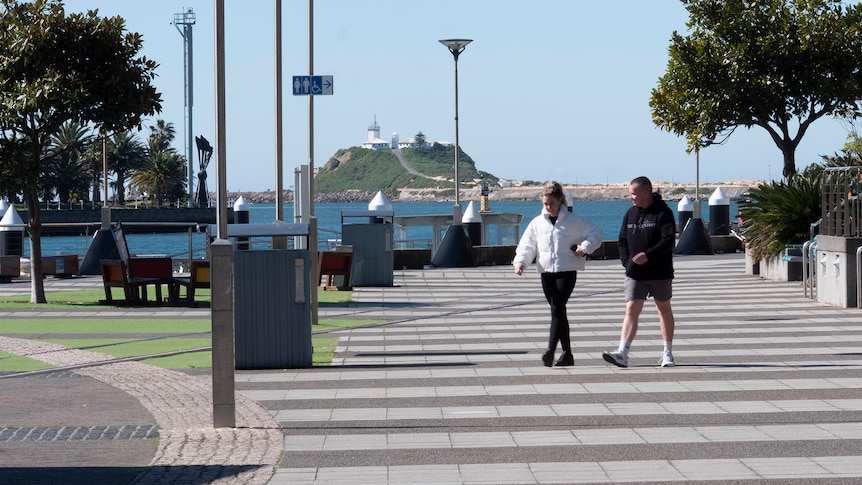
{"type": "Point", "coordinates": [554, 189]}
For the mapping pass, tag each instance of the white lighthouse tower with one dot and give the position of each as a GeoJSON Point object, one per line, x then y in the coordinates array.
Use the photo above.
{"type": "Point", "coordinates": [374, 142]}
{"type": "Point", "coordinates": [374, 130]}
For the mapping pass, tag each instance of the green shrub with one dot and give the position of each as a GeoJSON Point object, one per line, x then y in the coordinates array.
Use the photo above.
{"type": "Point", "coordinates": [780, 213]}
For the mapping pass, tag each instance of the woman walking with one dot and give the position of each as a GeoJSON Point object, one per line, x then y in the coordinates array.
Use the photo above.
{"type": "Point", "coordinates": [557, 240]}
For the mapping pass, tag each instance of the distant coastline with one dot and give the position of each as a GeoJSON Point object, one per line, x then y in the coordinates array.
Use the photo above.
{"type": "Point", "coordinates": [734, 189]}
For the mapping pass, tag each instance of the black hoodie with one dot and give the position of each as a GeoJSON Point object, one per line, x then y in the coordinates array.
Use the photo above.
{"type": "Point", "coordinates": [653, 231]}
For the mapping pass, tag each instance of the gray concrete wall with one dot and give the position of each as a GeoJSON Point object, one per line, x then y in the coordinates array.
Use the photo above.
{"type": "Point", "coordinates": [835, 269]}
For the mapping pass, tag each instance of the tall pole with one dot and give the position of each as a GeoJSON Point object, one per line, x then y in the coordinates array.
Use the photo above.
{"type": "Point", "coordinates": [187, 19]}
{"type": "Point", "coordinates": [697, 213]}
{"type": "Point", "coordinates": [457, 208]}
{"type": "Point", "coordinates": [456, 47]}
{"type": "Point", "coordinates": [311, 110]}
{"type": "Point", "coordinates": [222, 308]}
{"type": "Point", "coordinates": [105, 167]}
{"type": "Point", "coordinates": [279, 160]}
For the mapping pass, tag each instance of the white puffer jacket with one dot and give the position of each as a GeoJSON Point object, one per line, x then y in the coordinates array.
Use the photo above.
{"type": "Point", "coordinates": [551, 244]}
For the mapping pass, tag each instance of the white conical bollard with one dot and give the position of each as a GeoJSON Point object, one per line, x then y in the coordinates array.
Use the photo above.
{"type": "Point", "coordinates": [11, 238]}
{"type": "Point", "coordinates": [380, 203]}
{"type": "Point", "coordinates": [719, 213]}
{"type": "Point", "coordinates": [685, 209]}
{"type": "Point", "coordinates": [471, 214]}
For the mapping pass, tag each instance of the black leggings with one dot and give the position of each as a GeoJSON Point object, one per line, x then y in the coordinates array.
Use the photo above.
{"type": "Point", "coordinates": [558, 288]}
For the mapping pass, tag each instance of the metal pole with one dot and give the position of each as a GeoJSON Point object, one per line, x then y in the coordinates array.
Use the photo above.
{"type": "Point", "coordinates": [456, 47]}
{"type": "Point", "coordinates": [312, 237]}
{"type": "Point", "coordinates": [187, 19]}
{"type": "Point", "coordinates": [105, 167]}
{"type": "Point", "coordinates": [310, 194]}
{"type": "Point", "coordinates": [222, 308]}
{"type": "Point", "coordinates": [697, 213]}
{"type": "Point", "coordinates": [456, 214]}
{"type": "Point", "coordinates": [189, 104]}
{"type": "Point", "coordinates": [279, 161]}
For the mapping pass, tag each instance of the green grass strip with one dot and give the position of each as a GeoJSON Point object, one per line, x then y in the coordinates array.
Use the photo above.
{"type": "Point", "coordinates": [41, 326]}
{"type": "Point", "coordinates": [130, 347]}
{"type": "Point", "coordinates": [91, 298]}
{"type": "Point", "coordinates": [16, 363]}
{"type": "Point", "coordinates": [48, 326]}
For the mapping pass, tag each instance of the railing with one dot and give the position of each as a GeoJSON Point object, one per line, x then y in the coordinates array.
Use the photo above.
{"type": "Point", "coordinates": [498, 229]}
{"type": "Point", "coordinates": [841, 207]}
{"type": "Point", "coordinates": [809, 269]}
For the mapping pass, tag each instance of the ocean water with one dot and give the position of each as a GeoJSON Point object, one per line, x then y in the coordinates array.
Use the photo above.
{"type": "Point", "coordinates": [607, 214]}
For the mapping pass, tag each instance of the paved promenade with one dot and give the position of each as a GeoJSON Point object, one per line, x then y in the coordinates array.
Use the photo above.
{"type": "Point", "coordinates": [452, 390]}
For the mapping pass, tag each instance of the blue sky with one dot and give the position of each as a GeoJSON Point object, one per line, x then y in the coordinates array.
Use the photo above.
{"type": "Point", "coordinates": [547, 90]}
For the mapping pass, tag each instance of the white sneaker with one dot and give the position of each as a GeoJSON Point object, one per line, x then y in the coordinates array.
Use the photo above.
{"type": "Point", "coordinates": [666, 360]}
{"type": "Point", "coordinates": [616, 358]}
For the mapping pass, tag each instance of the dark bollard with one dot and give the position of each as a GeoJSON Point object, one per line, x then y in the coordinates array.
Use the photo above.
{"type": "Point", "coordinates": [11, 238]}
{"type": "Point", "coordinates": [241, 216]}
{"type": "Point", "coordinates": [472, 222]}
{"type": "Point", "coordinates": [685, 208]}
{"type": "Point", "coordinates": [719, 213]}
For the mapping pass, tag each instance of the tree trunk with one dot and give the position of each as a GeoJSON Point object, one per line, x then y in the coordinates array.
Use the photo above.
{"type": "Point", "coordinates": [97, 185]}
{"type": "Point", "coordinates": [121, 189]}
{"type": "Point", "coordinates": [34, 227]}
{"type": "Point", "coordinates": [788, 149]}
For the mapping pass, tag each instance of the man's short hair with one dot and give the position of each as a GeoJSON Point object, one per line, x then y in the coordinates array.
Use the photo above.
{"type": "Point", "coordinates": [642, 183]}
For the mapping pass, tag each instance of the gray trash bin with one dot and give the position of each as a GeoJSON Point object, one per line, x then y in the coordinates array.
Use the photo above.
{"type": "Point", "coordinates": [371, 235]}
{"type": "Point", "coordinates": [272, 303]}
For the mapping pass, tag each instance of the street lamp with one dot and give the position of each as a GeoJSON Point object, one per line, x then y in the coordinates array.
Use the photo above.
{"type": "Point", "coordinates": [456, 47]}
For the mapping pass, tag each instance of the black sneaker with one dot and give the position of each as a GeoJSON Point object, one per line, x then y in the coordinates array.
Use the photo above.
{"type": "Point", "coordinates": [548, 358]}
{"type": "Point", "coordinates": [565, 360]}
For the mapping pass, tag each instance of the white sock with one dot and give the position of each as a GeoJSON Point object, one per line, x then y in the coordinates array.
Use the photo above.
{"type": "Point", "coordinates": [624, 347]}
{"type": "Point", "coordinates": [668, 346]}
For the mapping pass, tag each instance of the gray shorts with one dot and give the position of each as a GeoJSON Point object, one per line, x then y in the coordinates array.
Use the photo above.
{"type": "Point", "coordinates": [660, 290]}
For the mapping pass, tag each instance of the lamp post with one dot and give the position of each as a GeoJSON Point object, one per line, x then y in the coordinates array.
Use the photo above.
{"type": "Point", "coordinates": [456, 47]}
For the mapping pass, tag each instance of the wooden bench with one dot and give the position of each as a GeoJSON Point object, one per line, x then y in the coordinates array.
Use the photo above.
{"type": "Point", "coordinates": [334, 263]}
{"type": "Point", "coordinates": [10, 267]}
{"type": "Point", "coordinates": [158, 267]}
{"type": "Point", "coordinates": [115, 275]}
{"type": "Point", "coordinates": [199, 277]}
{"type": "Point", "coordinates": [63, 266]}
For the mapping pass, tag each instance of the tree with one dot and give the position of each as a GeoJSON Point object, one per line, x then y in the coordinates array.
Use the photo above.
{"type": "Point", "coordinates": [56, 68]}
{"type": "Point", "coordinates": [777, 64]}
{"type": "Point", "coordinates": [420, 139]}
{"type": "Point", "coordinates": [65, 169]}
{"type": "Point", "coordinates": [125, 155]}
{"type": "Point", "coordinates": [164, 176]}
{"type": "Point", "coordinates": [91, 163]}
{"type": "Point", "coordinates": [161, 136]}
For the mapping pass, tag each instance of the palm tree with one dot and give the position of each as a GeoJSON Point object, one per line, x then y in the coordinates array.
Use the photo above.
{"type": "Point", "coordinates": [125, 155]}
{"type": "Point", "coordinates": [164, 178]}
{"type": "Point", "coordinates": [161, 136]}
{"type": "Point", "coordinates": [64, 165]}
{"type": "Point", "coordinates": [91, 165]}
{"type": "Point", "coordinates": [164, 175]}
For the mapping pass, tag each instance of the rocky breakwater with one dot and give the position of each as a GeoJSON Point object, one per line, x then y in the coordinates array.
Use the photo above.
{"type": "Point", "coordinates": [619, 191]}
{"type": "Point", "coordinates": [734, 189]}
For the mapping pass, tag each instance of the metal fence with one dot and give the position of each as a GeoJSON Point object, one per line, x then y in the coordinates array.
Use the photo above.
{"type": "Point", "coordinates": [841, 208]}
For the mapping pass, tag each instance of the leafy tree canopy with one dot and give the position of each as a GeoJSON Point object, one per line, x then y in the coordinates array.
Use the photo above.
{"type": "Point", "coordinates": [56, 68]}
{"type": "Point", "coordinates": [777, 64]}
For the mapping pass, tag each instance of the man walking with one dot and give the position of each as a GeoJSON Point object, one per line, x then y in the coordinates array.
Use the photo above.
{"type": "Point", "coordinates": [646, 244]}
